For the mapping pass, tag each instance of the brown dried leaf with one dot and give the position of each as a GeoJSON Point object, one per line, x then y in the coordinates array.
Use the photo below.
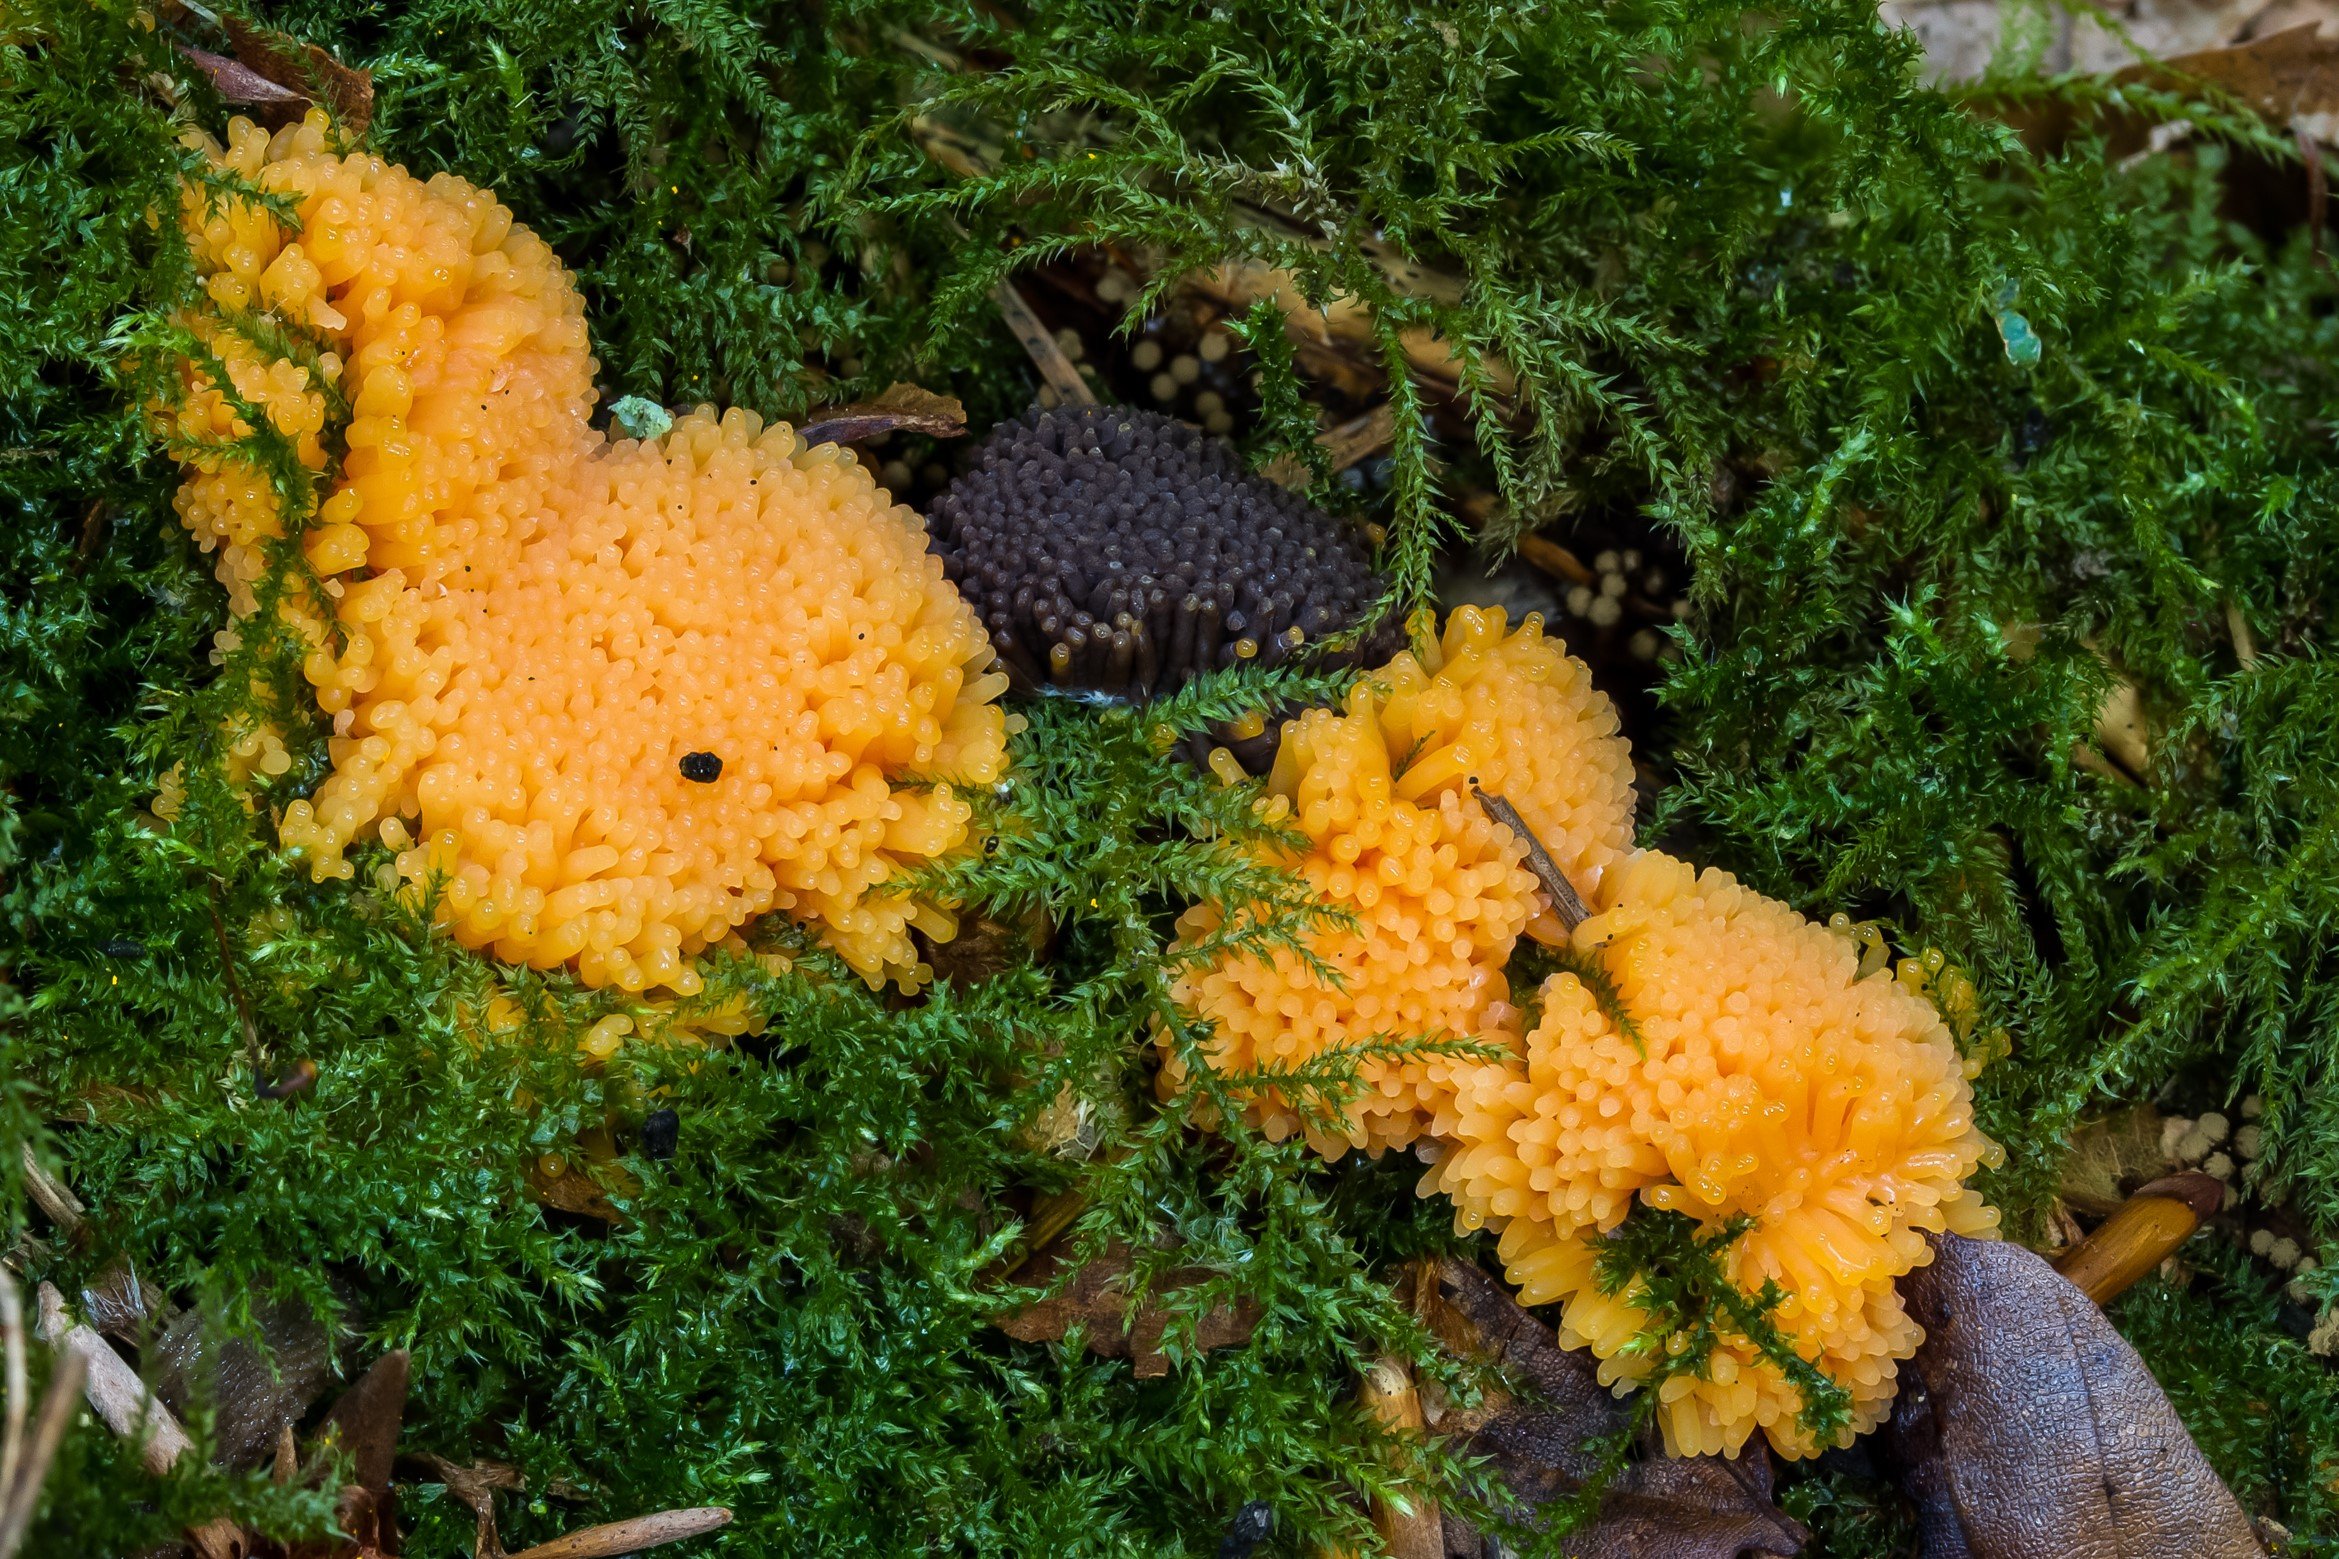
{"type": "Point", "coordinates": [903, 408]}
{"type": "Point", "coordinates": [239, 84]}
{"type": "Point", "coordinates": [362, 1427]}
{"type": "Point", "coordinates": [257, 1388]}
{"type": "Point", "coordinates": [1097, 1299]}
{"type": "Point", "coordinates": [307, 70]}
{"type": "Point", "coordinates": [2286, 76]}
{"type": "Point", "coordinates": [985, 947]}
{"type": "Point", "coordinates": [2110, 1157]}
{"type": "Point", "coordinates": [575, 1191]}
{"type": "Point", "coordinates": [365, 1422]}
{"type": "Point", "coordinates": [2027, 1428]}
{"type": "Point", "coordinates": [1702, 1507]}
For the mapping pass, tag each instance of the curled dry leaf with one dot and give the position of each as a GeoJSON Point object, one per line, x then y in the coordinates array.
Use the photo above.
{"type": "Point", "coordinates": [2027, 1428]}
{"type": "Point", "coordinates": [1097, 1300]}
{"type": "Point", "coordinates": [361, 1429]}
{"type": "Point", "coordinates": [2289, 76]}
{"type": "Point", "coordinates": [257, 1387]}
{"type": "Point", "coordinates": [241, 86]}
{"type": "Point", "coordinates": [278, 77]}
{"type": "Point", "coordinates": [475, 1488]}
{"type": "Point", "coordinates": [903, 408]}
{"type": "Point", "coordinates": [1546, 1447]}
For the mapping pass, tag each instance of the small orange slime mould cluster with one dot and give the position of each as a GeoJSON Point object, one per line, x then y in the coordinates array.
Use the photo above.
{"type": "Point", "coordinates": [619, 697]}
{"type": "Point", "coordinates": [1744, 1071]}
{"type": "Point", "coordinates": [1437, 891]}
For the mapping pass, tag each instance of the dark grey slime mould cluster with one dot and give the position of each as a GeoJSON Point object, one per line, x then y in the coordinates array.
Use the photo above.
{"type": "Point", "coordinates": [1117, 551]}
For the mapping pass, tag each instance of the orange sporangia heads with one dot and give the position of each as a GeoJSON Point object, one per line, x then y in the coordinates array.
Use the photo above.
{"type": "Point", "coordinates": [1759, 1078]}
{"type": "Point", "coordinates": [1717, 1055]}
{"type": "Point", "coordinates": [617, 697]}
{"type": "Point", "coordinates": [1433, 890]}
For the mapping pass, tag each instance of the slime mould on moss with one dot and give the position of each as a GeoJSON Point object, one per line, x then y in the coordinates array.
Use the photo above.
{"type": "Point", "coordinates": [540, 649]}
{"type": "Point", "coordinates": [1118, 551]}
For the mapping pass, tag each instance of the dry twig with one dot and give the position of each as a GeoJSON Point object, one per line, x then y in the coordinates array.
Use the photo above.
{"type": "Point", "coordinates": [1566, 903]}
{"type": "Point", "coordinates": [624, 1537]}
{"type": "Point", "coordinates": [19, 1385]}
{"type": "Point", "coordinates": [1358, 439]}
{"type": "Point", "coordinates": [22, 1494]}
{"type": "Point", "coordinates": [113, 1387]}
{"type": "Point", "coordinates": [1415, 1530]}
{"type": "Point", "coordinates": [1045, 354]}
{"type": "Point", "coordinates": [53, 1197]}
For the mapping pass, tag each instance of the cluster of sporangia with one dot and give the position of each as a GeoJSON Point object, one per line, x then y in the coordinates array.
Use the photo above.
{"type": "Point", "coordinates": [1117, 551]}
{"type": "Point", "coordinates": [1738, 1067]}
{"type": "Point", "coordinates": [618, 698]}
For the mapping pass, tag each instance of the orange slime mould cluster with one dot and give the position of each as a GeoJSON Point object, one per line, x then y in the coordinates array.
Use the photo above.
{"type": "Point", "coordinates": [1761, 1079]}
{"type": "Point", "coordinates": [1733, 1066]}
{"type": "Point", "coordinates": [1434, 890]}
{"type": "Point", "coordinates": [617, 697]}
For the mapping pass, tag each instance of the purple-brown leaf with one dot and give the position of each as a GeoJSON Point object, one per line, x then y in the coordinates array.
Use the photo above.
{"type": "Point", "coordinates": [904, 408]}
{"type": "Point", "coordinates": [1097, 1300]}
{"type": "Point", "coordinates": [365, 1422]}
{"type": "Point", "coordinates": [257, 1386]}
{"type": "Point", "coordinates": [2027, 1428]}
{"type": "Point", "coordinates": [277, 77]}
{"type": "Point", "coordinates": [238, 83]}
{"type": "Point", "coordinates": [1544, 1449]}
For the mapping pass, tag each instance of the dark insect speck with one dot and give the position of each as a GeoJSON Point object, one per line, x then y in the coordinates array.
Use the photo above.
{"type": "Point", "coordinates": [564, 133]}
{"type": "Point", "coordinates": [2032, 436]}
{"type": "Point", "coordinates": [297, 1078]}
{"type": "Point", "coordinates": [701, 768]}
{"type": "Point", "coordinates": [1252, 1526]}
{"type": "Point", "coordinates": [660, 1128]}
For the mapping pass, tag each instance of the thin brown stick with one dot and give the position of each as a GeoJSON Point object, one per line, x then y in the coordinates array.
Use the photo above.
{"type": "Point", "coordinates": [2318, 194]}
{"type": "Point", "coordinates": [52, 1196]}
{"type": "Point", "coordinates": [2237, 624]}
{"type": "Point", "coordinates": [23, 1494]}
{"type": "Point", "coordinates": [235, 986]}
{"type": "Point", "coordinates": [623, 1537]}
{"type": "Point", "coordinates": [93, 534]}
{"type": "Point", "coordinates": [1556, 560]}
{"type": "Point", "coordinates": [2140, 1234]}
{"type": "Point", "coordinates": [1359, 438]}
{"type": "Point", "coordinates": [1411, 1529]}
{"type": "Point", "coordinates": [19, 1385]}
{"type": "Point", "coordinates": [1041, 346]}
{"type": "Point", "coordinates": [113, 1387]}
{"type": "Point", "coordinates": [1566, 903]}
